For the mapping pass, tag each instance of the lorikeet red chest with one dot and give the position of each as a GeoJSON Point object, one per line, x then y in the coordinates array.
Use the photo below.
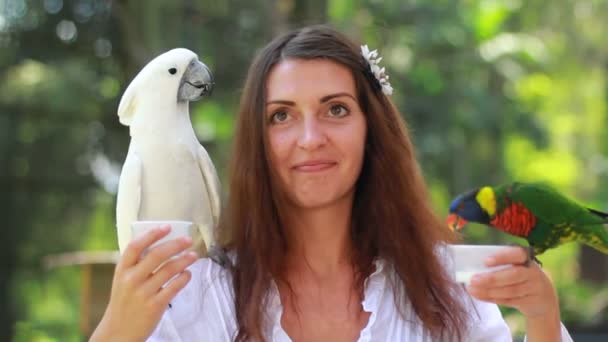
{"type": "Point", "coordinates": [514, 219]}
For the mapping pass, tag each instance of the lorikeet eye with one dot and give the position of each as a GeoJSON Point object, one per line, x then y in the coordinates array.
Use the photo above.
{"type": "Point", "coordinates": [461, 206]}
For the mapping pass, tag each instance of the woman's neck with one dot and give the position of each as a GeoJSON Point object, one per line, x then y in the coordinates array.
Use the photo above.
{"type": "Point", "coordinates": [319, 239]}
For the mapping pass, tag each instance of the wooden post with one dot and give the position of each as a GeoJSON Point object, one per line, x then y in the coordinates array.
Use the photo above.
{"type": "Point", "coordinates": [97, 272]}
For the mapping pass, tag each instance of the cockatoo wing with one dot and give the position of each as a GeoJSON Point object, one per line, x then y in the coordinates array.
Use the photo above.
{"type": "Point", "coordinates": [212, 183]}
{"type": "Point", "coordinates": [128, 198]}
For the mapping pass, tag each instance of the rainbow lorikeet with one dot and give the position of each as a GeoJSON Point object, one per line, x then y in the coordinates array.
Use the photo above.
{"type": "Point", "coordinates": [532, 211]}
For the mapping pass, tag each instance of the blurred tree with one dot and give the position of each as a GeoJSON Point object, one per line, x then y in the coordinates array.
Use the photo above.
{"type": "Point", "coordinates": [63, 67]}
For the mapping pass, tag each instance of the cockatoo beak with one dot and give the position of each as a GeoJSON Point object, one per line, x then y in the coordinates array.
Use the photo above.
{"type": "Point", "coordinates": [455, 222]}
{"type": "Point", "coordinates": [197, 81]}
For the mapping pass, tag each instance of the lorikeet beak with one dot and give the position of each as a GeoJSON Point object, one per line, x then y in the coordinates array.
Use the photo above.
{"type": "Point", "coordinates": [455, 222]}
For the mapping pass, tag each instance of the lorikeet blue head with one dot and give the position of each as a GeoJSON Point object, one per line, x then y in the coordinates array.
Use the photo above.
{"type": "Point", "coordinates": [468, 207]}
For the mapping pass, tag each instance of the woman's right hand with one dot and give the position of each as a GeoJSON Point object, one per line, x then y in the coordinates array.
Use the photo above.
{"type": "Point", "coordinates": [138, 298]}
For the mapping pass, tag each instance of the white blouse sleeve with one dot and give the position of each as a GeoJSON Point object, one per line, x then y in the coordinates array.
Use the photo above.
{"type": "Point", "coordinates": [489, 325]}
{"type": "Point", "coordinates": [564, 332]}
{"type": "Point", "coordinates": [203, 310]}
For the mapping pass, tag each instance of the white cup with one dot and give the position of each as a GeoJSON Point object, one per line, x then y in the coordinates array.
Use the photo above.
{"type": "Point", "coordinates": [178, 229]}
{"type": "Point", "coordinates": [468, 260]}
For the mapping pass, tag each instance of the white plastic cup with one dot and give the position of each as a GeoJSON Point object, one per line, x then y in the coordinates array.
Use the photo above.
{"type": "Point", "coordinates": [468, 260]}
{"type": "Point", "coordinates": [178, 229]}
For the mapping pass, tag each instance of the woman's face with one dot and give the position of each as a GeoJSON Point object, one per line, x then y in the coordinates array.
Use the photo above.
{"type": "Point", "coordinates": [316, 131]}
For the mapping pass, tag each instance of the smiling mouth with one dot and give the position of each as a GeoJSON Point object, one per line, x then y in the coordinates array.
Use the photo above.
{"type": "Point", "coordinates": [314, 166]}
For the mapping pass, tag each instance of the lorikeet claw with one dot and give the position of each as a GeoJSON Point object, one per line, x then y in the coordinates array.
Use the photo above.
{"type": "Point", "coordinates": [531, 256]}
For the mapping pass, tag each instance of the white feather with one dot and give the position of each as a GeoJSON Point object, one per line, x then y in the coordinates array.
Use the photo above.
{"type": "Point", "coordinates": [178, 180]}
{"type": "Point", "coordinates": [128, 198]}
{"type": "Point", "coordinates": [212, 183]}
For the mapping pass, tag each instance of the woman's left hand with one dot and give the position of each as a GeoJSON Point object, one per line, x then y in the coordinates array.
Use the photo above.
{"type": "Point", "coordinates": [526, 288]}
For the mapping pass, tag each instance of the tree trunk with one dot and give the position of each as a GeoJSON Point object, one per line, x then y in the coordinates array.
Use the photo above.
{"type": "Point", "coordinates": [593, 265]}
{"type": "Point", "coordinates": [293, 14]}
{"type": "Point", "coordinates": [307, 12]}
{"type": "Point", "coordinates": [8, 252]}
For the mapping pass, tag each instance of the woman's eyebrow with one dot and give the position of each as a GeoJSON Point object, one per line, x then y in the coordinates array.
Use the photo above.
{"type": "Point", "coordinates": [332, 96]}
{"type": "Point", "coordinates": [283, 102]}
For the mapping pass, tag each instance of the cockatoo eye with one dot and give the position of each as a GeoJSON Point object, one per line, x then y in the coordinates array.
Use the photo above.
{"type": "Point", "coordinates": [172, 71]}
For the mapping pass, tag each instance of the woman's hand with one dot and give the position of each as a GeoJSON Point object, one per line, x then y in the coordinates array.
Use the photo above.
{"type": "Point", "coordinates": [138, 298]}
{"type": "Point", "coordinates": [526, 288]}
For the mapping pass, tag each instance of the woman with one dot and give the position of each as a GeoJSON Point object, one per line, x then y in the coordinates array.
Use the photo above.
{"type": "Point", "coordinates": [328, 225]}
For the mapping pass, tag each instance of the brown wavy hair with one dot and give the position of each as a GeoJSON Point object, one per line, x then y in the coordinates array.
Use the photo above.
{"type": "Point", "coordinates": [392, 217]}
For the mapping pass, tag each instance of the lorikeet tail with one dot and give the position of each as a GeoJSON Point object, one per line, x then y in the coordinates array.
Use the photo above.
{"type": "Point", "coordinates": [599, 213]}
{"type": "Point", "coordinates": [601, 246]}
{"type": "Point", "coordinates": [599, 240]}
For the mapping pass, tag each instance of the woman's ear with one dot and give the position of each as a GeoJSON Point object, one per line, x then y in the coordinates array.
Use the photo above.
{"type": "Point", "coordinates": [127, 105]}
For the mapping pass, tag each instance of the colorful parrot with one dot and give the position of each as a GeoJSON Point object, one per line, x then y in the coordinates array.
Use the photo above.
{"type": "Point", "coordinates": [532, 211]}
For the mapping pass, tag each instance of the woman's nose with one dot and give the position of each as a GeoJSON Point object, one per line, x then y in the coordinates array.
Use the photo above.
{"type": "Point", "coordinates": [312, 134]}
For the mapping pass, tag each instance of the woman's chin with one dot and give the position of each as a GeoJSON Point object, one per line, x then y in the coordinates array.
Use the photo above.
{"type": "Point", "coordinates": [317, 201]}
{"type": "Point", "coordinates": [311, 203]}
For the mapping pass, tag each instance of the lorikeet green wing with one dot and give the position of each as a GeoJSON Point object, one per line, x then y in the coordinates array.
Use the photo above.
{"type": "Point", "coordinates": [546, 218]}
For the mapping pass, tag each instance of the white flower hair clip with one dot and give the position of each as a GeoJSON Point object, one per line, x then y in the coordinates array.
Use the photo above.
{"type": "Point", "coordinates": [373, 59]}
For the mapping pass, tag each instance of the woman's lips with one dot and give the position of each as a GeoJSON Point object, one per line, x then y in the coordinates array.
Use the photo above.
{"type": "Point", "coordinates": [314, 166]}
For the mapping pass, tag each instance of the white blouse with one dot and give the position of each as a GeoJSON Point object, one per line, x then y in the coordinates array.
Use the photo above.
{"type": "Point", "coordinates": [204, 311]}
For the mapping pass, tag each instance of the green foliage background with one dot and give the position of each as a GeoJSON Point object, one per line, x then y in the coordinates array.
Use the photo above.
{"type": "Point", "coordinates": [494, 90]}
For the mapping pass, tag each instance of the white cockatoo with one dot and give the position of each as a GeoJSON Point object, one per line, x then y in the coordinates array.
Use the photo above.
{"type": "Point", "coordinates": [167, 174]}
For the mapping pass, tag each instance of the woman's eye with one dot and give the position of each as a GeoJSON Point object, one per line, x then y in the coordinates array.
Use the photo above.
{"type": "Point", "coordinates": [279, 116]}
{"type": "Point", "coordinates": [338, 110]}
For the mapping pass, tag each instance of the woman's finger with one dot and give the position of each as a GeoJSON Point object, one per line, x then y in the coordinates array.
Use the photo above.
{"type": "Point", "coordinates": [168, 271]}
{"type": "Point", "coordinates": [516, 303]}
{"type": "Point", "coordinates": [504, 277]}
{"type": "Point", "coordinates": [136, 247]}
{"type": "Point", "coordinates": [513, 291]}
{"type": "Point", "coordinates": [508, 255]}
{"type": "Point", "coordinates": [159, 254]}
{"type": "Point", "coordinates": [166, 294]}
